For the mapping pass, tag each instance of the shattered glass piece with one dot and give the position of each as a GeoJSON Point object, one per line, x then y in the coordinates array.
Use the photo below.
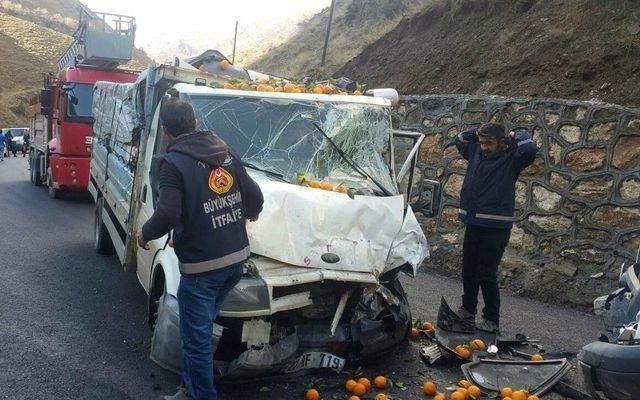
{"type": "Point", "coordinates": [538, 376]}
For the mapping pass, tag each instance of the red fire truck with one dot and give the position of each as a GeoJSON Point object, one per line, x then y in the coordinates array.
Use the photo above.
{"type": "Point", "coordinates": [61, 115]}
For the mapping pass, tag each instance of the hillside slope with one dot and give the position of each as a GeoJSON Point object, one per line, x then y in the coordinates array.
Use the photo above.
{"type": "Point", "coordinates": [579, 49]}
{"type": "Point", "coordinates": [33, 35]}
{"type": "Point", "coordinates": [355, 24]}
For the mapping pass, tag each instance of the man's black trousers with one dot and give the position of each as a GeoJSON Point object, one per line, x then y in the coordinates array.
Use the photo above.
{"type": "Point", "coordinates": [481, 254]}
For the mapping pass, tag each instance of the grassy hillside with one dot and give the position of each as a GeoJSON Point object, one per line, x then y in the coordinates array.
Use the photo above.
{"type": "Point", "coordinates": [356, 24]}
{"type": "Point", "coordinates": [33, 35]}
{"type": "Point", "coordinates": [580, 49]}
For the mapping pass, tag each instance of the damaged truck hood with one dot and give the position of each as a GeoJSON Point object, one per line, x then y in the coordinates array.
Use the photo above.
{"type": "Point", "coordinates": [313, 228]}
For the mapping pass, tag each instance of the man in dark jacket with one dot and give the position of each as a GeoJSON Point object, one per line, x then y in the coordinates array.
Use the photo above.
{"type": "Point", "coordinates": [487, 202]}
{"type": "Point", "coordinates": [205, 196]}
{"type": "Point", "coordinates": [10, 150]}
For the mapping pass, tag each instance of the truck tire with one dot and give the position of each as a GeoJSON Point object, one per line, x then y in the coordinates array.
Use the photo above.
{"type": "Point", "coordinates": [101, 240]}
{"type": "Point", "coordinates": [34, 161]}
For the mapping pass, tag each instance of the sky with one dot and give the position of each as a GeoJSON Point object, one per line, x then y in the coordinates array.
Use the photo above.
{"type": "Point", "coordinates": [164, 21]}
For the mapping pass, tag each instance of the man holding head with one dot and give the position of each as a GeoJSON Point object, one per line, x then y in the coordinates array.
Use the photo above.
{"type": "Point", "coordinates": [487, 202]}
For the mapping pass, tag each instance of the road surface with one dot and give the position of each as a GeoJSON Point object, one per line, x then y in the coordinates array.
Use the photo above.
{"type": "Point", "coordinates": [73, 323]}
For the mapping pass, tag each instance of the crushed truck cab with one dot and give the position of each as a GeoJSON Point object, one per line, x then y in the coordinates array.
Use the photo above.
{"type": "Point", "coordinates": [321, 285]}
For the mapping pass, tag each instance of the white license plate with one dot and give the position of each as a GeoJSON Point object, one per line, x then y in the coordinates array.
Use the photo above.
{"type": "Point", "coordinates": [314, 359]}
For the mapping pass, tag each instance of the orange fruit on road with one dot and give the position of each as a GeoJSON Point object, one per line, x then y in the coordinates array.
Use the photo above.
{"type": "Point", "coordinates": [354, 398]}
{"type": "Point", "coordinates": [519, 395]}
{"type": "Point", "coordinates": [318, 90]}
{"type": "Point", "coordinates": [366, 382]}
{"type": "Point", "coordinates": [506, 392]}
{"type": "Point", "coordinates": [278, 89]}
{"type": "Point", "coordinates": [464, 391]}
{"type": "Point", "coordinates": [359, 389]}
{"type": "Point", "coordinates": [380, 382]}
{"type": "Point", "coordinates": [341, 188]}
{"type": "Point", "coordinates": [312, 394]}
{"type": "Point", "coordinates": [326, 89]}
{"type": "Point", "coordinates": [427, 326]}
{"type": "Point", "coordinates": [350, 384]}
{"type": "Point", "coordinates": [474, 392]}
{"type": "Point", "coordinates": [224, 64]}
{"type": "Point", "coordinates": [357, 93]}
{"type": "Point", "coordinates": [464, 383]}
{"type": "Point", "coordinates": [414, 332]}
{"type": "Point", "coordinates": [439, 396]}
{"type": "Point", "coordinates": [458, 396]}
{"type": "Point", "coordinates": [536, 357]}
{"type": "Point", "coordinates": [477, 344]}
{"type": "Point", "coordinates": [289, 87]}
{"type": "Point", "coordinates": [532, 397]}
{"type": "Point", "coordinates": [429, 388]}
{"type": "Point", "coordinates": [326, 186]}
{"type": "Point", "coordinates": [463, 352]}
{"type": "Point", "coordinates": [313, 184]}
{"type": "Point", "coordinates": [381, 396]}
{"type": "Point", "coordinates": [227, 85]}
{"type": "Point", "coordinates": [269, 88]}
{"type": "Point", "coordinates": [506, 398]}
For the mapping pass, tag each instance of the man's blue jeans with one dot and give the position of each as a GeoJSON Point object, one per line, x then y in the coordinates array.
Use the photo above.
{"type": "Point", "coordinates": [199, 300]}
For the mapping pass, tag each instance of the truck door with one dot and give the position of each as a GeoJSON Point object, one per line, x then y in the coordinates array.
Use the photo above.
{"type": "Point", "coordinates": [156, 146]}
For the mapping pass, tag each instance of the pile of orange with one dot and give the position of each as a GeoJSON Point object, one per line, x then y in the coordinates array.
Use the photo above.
{"type": "Point", "coordinates": [312, 183]}
{"type": "Point", "coordinates": [363, 385]}
{"type": "Point", "coordinates": [418, 326]}
{"type": "Point", "coordinates": [280, 86]}
{"type": "Point", "coordinates": [508, 393]}
{"type": "Point", "coordinates": [465, 350]}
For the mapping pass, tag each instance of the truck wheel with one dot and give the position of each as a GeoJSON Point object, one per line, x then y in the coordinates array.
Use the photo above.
{"type": "Point", "coordinates": [101, 240]}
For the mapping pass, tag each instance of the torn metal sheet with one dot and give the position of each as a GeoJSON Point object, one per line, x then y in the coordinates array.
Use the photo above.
{"type": "Point", "coordinates": [448, 320]}
{"type": "Point", "coordinates": [538, 376]}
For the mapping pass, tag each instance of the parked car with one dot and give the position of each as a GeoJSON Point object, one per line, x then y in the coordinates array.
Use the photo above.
{"type": "Point", "coordinates": [18, 138]}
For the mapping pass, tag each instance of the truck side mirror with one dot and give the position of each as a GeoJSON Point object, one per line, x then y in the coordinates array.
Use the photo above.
{"type": "Point", "coordinates": [429, 200]}
{"type": "Point", "coordinates": [45, 102]}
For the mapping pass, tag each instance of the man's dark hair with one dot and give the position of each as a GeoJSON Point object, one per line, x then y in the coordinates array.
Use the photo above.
{"type": "Point", "coordinates": [177, 116]}
{"type": "Point", "coordinates": [496, 131]}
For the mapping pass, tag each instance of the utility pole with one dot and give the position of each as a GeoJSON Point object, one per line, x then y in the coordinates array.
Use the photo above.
{"type": "Point", "coordinates": [235, 37]}
{"type": "Point", "coordinates": [326, 39]}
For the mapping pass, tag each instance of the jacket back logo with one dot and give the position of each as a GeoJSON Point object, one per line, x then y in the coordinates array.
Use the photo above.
{"type": "Point", "coordinates": [220, 181]}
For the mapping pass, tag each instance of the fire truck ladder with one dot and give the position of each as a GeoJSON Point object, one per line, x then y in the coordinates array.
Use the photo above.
{"type": "Point", "coordinates": [101, 40]}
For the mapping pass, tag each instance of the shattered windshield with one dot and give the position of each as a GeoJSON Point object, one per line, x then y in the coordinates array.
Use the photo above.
{"type": "Point", "coordinates": [278, 135]}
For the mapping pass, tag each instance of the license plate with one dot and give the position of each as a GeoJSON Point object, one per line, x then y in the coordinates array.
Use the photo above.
{"type": "Point", "coordinates": [314, 359]}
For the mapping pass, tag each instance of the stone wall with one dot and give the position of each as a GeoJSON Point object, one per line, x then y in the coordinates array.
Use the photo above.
{"type": "Point", "coordinates": [578, 205]}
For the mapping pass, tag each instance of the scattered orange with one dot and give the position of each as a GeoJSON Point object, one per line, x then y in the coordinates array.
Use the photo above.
{"type": "Point", "coordinates": [463, 352]}
{"type": "Point", "coordinates": [429, 388]}
{"type": "Point", "coordinates": [474, 392]}
{"type": "Point", "coordinates": [350, 384]}
{"type": "Point", "coordinates": [312, 394]}
{"type": "Point", "coordinates": [357, 93]}
{"type": "Point", "coordinates": [341, 188]}
{"type": "Point", "coordinates": [381, 396]}
{"type": "Point", "coordinates": [458, 396]}
{"type": "Point", "coordinates": [366, 382]}
{"type": "Point", "coordinates": [414, 332]}
{"type": "Point", "coordinates": [359, 389]}
{"type": "Point", "coordinates": [313, 184]}
{"type": "Point", "coordinates": [519, 395]}
{"type": "Point", "coordinates": [326, 89]}
{"type": "Point", "coordinates": [380, 382]}
{"type": "Point", "coordinates": [464, 392]}
{"type": "Point", "coordinates": [354, 398]}
{"type": "Point", "coordinates": [506, 398]}
{"type": "Point", "coordinates": [532, 397]}
{"type": "Point", "coordinates": [289, 87]}
{"type": "Point", "coordinates": [268, 88]}
{"type": "Point", "coordinates": [477, 344]}
{"type": "Point", "coordinates": [318, 90]}
{"type": "Point", "coordinates": [261, 88]}
{"type": "Point", "coordinates": [278, 89]}
{"type": "Point", "coordinates": [536, 357]}
{"type": "Point", "coordinates": [326, 186]}
{"type": "Point", "coordinates": [224, 64]}
{"type": "Point", "coordinates": [427, 326]}
{"type": "Point", "coordinates": [296, 90]}
{"type": "Point", "coordinates": [464, 383]}
{"type": "Point", "coordinates": [506, 392]}
{"type": "Point", "coordinates": [439, 396]}
{"type": "Point", "coordinates": [227, 85]}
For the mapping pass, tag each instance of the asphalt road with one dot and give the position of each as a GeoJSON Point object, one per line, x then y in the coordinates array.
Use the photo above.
{"type": "Point", "coordinates": [72, 323]}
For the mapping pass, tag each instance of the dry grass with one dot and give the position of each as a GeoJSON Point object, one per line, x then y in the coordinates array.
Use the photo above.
{"type": "Point", "coordinates": [355, 25]}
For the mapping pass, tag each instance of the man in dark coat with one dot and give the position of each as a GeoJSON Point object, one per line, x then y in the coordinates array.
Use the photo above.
{"type": "Point", "coordinates": [487, 202]}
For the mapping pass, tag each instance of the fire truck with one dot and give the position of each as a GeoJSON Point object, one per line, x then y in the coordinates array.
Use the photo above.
{"type": "Point", "coordinates": [61, 116]}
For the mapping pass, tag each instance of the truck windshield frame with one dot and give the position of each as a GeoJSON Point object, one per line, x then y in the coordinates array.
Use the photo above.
{"type": "Point", "coordinates": [79, 101]}
{"type": "Point", "coordinates": [278, 134]}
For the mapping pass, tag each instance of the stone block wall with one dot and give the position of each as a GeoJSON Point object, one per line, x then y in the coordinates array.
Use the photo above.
{"type": "Point", "coordinates": [578, 205]}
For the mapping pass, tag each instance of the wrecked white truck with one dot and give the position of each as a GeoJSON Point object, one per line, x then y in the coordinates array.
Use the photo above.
{"type": "Point", "coordinates": [321, 285]}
